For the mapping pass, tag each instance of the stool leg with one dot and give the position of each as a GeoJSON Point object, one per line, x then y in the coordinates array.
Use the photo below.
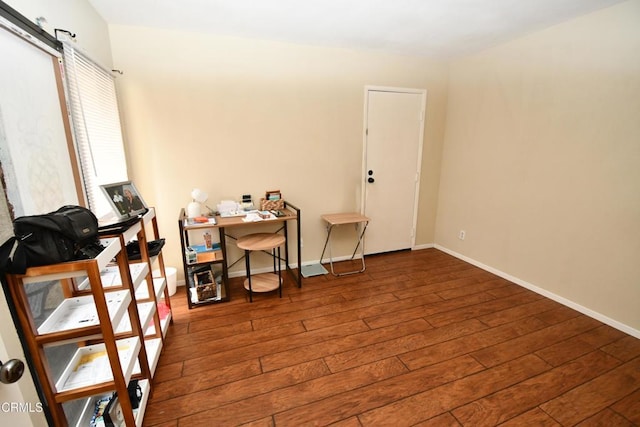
{"type": "Point", "coordinates": [279, 273]}
{"type": "Point", "coordinates": [273, 254]}
{"type": "Point", "coordinates": [248, 264]}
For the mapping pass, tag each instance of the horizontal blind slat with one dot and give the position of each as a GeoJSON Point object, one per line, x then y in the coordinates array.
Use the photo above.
{"type": "Point", "coordinates": [96, 125]}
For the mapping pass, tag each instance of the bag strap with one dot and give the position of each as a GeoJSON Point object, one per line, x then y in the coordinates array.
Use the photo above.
{"type": "Point", "coordinates": [20, 259]}
{"type": "Point", "coordinates": [13, 259]}
{"type": "Point", "coordinates": [5, 254]}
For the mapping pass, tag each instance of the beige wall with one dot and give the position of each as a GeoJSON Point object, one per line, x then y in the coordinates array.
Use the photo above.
{"type": "Point", "coordinates": [541, 163]}
{"type": "Point", "coordinates": [234, 116]}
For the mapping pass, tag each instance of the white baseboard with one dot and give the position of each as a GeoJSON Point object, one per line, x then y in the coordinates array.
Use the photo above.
{"type": "Point", "coordinates": [562, 300]}
{"type": "Point", "coordinates": [425, 246]}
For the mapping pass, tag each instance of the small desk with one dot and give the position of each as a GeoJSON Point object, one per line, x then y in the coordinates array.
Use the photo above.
{"type": "Point", "coordinates": [336, 219]}
{"type": "Point", "coordinates": [224, 224]}
{"type": "Point", "coordinates": [292, 213]}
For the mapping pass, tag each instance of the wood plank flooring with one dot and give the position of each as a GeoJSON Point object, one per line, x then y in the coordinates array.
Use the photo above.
{"type": "Point", "coordinates": [421, 338]}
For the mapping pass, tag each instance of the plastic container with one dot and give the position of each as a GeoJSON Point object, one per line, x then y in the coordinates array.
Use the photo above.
{"type": "Point", "coordinates": [171, 273]}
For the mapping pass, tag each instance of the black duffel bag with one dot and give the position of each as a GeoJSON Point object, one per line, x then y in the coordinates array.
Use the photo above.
{"type": "Point", "coordinates": [67, 234]}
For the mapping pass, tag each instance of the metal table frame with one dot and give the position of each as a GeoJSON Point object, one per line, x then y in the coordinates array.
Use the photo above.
{"type": "Point", "coordinates": [358, 220]}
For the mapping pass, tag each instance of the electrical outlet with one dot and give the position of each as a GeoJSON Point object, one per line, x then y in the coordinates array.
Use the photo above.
{"type": "Point", "coordinates": [461, 234]}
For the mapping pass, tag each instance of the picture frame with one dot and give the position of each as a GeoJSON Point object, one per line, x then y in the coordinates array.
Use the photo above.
{"type": "Point", "coordinates": [203, 277]}
{"type": "Point", "coordinates": [124, 198]}
{"type": "Point", "coordinates": [113, 415]}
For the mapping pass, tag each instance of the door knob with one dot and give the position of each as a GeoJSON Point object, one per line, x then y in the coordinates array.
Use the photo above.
{"type": "Point", "coordinates": [371, 180]}
{"type": "Point", "coordinates": [11, 371]}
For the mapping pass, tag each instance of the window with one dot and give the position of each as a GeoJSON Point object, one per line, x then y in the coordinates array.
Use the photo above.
{"type": "Point", "coordinates": [96, 126]}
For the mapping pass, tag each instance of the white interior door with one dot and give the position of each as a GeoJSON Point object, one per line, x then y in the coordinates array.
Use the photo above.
{"type": "Point", "coordinates": [392, 160]}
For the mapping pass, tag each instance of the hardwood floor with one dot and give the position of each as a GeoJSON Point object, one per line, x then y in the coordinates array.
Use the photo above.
{"type": "Point", "coordinates": [420, 338]}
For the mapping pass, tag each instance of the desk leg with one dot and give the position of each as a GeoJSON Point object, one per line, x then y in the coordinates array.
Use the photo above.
{"type": "Point", "coordinates": [248, 265]}
{"type": "Point", "coordinates": [286, 247]}
{"type": "Point", "coordinates": [279, 273]}
{"type": "Point", "coordinates": [225, 259]}
{"type": "Point", "coordinates": [299, 231]}
{"type": "Point", "coordinates": [297, 278]}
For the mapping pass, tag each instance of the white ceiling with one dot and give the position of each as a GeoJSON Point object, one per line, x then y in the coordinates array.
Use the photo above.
{"type": "Point", "coordinates": [434, 28]}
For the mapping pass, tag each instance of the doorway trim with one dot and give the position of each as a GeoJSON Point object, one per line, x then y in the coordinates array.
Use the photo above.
{"type": "Point", "coordinates": [363, 182]}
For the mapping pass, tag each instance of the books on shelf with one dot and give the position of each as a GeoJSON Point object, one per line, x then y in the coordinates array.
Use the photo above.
{"type": "Point", "coordinates": [97, 419]}
{"type": "Point", "coordinates": [204, 254]}
{"type": "Point", "coordinates": [202, 248]}
{"type": "Point", "coordinates": [201, 220]}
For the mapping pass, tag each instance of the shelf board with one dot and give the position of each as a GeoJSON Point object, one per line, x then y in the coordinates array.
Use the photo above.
{"type": "Point", "coordinates": [90, 366]}
{"type": "Point", "coordinates": [138, 273]}
{"type": "Point", "coordinates": [164, 324]}
{"type": "Point", "coordinates": [146, 310]}
{"type": "Point", "coordinates": [146, 218]}
{"type": "Point", "coordinates": [264, 282]}
{"type": "Point", "coordinates": [89, 406]}
{"type": "Point", "coordinates": [145, 386]}
{"type": "Point", "coordinates": [198, 225]}
{"type": "Point", "coordinates": [81, 312]}
{"type": "Point", "coordinates": [159, 283]}
{"type": "Point", "coordinates": [154, 348]}
{"type": "Point", "coordinates": [145, 313]}
{"type": "Point", "coordinates": [165, 319]}
{"type": "Point", "coordinates": [112, 249]}
{"type": "Point", "coordinates": [110, 276]}
{"type": "Point", "coordinates": [132, 232]}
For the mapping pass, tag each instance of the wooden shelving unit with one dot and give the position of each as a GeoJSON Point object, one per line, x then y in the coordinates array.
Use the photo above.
{"type": "Point", "coordinates": [154, 303]}
{"type": "Point", "coordinates": [108, 329]}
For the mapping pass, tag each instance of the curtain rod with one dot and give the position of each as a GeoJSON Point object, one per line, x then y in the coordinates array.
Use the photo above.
{"type": "Point", "coordinates": [19, 20]}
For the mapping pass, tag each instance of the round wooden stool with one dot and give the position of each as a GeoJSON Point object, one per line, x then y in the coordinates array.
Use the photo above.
{"type": "Point", "coordinates": [262, 242]}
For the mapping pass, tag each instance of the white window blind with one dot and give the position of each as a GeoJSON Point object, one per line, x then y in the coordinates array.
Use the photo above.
{"type": "Point", "coordinates": [96, 126]}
